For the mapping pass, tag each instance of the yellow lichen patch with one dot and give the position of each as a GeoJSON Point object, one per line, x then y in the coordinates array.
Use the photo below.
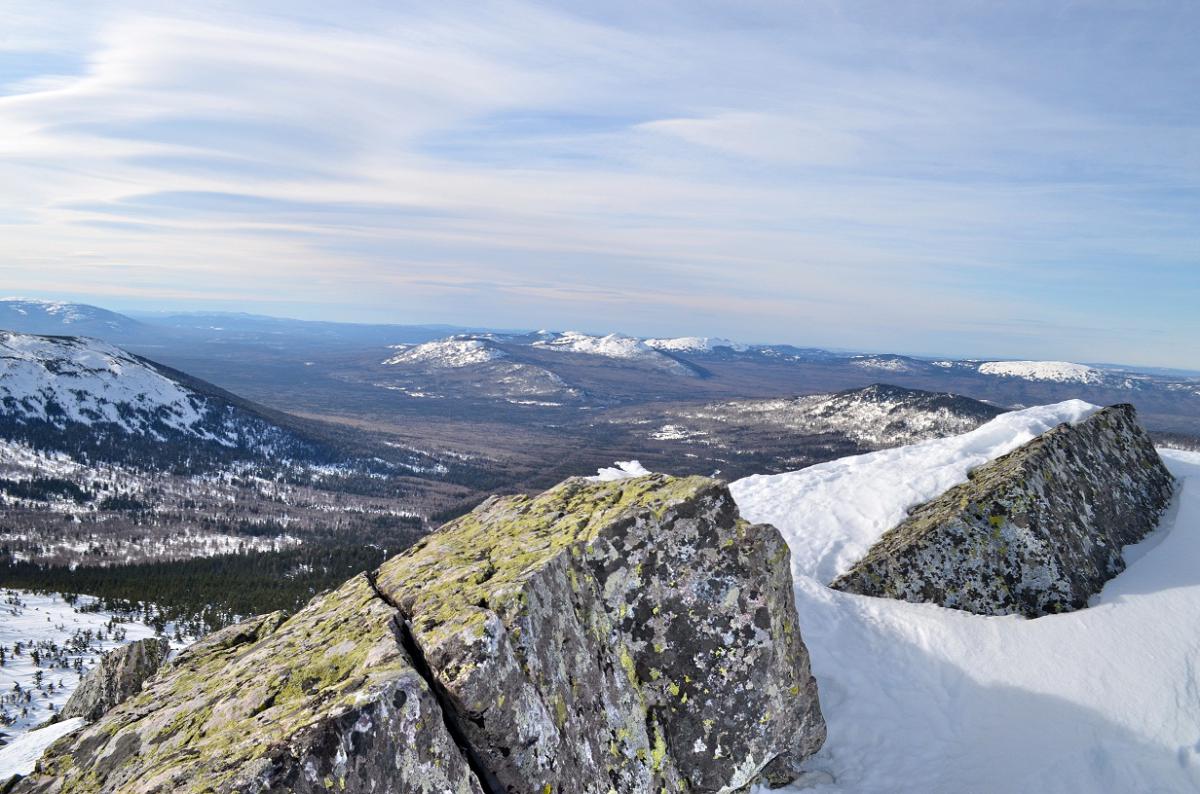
{"type": "Point", "coordinates": [233, 702]}
{"type": "Point", "coordinates": [487, 556]}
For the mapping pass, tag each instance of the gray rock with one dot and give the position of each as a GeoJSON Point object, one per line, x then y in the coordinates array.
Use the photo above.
{"type": "Point", "coordinates": [630, 636]}
{"type": "Point", "coordinates": [118, 677]}
{"type": "Point", "coordinates": [1037, 531]}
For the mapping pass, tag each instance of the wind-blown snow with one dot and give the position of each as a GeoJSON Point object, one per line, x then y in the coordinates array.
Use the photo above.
{"type": "Point", "coordinates": [1058, 371]}
{"type": "Point", "coordinates": [924, 699]}
{"type": "Point", "coordinates": [452, 352]}
{"type": "Point", "coordinates": [21, 756]}
{"type": "Point", "coordinates": [60, 379]}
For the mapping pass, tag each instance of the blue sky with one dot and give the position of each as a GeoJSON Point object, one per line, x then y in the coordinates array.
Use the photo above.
{"type": "Point", "coordinates": [957, 178]}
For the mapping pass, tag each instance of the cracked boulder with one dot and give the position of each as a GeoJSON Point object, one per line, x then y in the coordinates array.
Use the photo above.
{"type": "Point", "coordinates": [628, 636]}
{"type": "Point", "coordinates": [1036, 531]}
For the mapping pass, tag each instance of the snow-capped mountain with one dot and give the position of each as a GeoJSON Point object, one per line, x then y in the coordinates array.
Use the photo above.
{"type": "Point", "coordinates": [61, 381]}
{"type": "Point", "coordinates": [453, 352]}
{"type": "Point", "coordinates": [883, 415]}
{"type": "Point", "coordinates": [887, 363]}
{"type": "Point", "coordinates": [1057, 371]}
{"type": "Point", "coordinates": [615, 346]}
{"type": "Point", "coordinates": [874, 417]}
{"type": "Point", "coordinates": [31, 316]}
{"type": "Point", "coordinates": [94, 397]}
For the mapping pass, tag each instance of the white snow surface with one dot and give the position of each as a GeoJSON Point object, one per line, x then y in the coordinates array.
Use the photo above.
{"type": "Point", "coordinates": [621, 470]}
{"type": "Point", "coordinates": [90, 381]}
{"type": "Point", "coordinates": [20, 756]}
{"type": "Point", "coordinates": [453, 352]}
{"type": "Point", "coordinates": [919, 698]}
{"type": "Point", "coordinates": [1058, 371]}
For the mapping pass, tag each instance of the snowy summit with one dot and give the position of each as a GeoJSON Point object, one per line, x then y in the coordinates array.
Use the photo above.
{"type": "Point", "coordinates": [614, 346]}
{"type": "Point", "coordinates": [453, 353]}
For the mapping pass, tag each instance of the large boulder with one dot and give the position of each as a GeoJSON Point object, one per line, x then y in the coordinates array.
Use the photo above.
{"type": "Point", "coordinates": [628, 636]}
{"type": "Point", "coordinates": [1036, 531]}
{"type": "Point", "coordinates": [118, 677]}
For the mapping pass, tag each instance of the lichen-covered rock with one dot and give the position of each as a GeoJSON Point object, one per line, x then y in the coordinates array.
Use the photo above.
{"type": "Point", "coordinates": [1036, 531]}
{"type": "Point", "coordinates": [633, 636]}
{"type": "Point", "coordinates": [119, 676]}
{"type": "Point", "coordinates": [325, 701]}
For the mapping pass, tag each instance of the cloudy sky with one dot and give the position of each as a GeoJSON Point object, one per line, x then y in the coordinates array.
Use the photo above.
{"type": "Point", "coordinates": [960, 178]}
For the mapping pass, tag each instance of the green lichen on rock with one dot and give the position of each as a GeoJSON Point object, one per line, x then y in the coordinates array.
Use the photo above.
{"type": "Point", "coordinates": [1037, 531]}
{"type": "Point", "coordinates": [327, 696]}
{"type": "Point", "coordinates": [629, 636]}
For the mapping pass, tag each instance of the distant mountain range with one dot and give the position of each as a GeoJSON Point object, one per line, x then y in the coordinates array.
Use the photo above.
{"type": "Point", "coordinates": [404, 376]}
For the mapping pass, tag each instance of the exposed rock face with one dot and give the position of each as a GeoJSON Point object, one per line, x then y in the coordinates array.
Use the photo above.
{"type": "Point", "coordinates": [629, 636]}
{"type": "Point", "coordinates": [118, 677]}
{"type": "Point", "coordinates": [1036, 531]}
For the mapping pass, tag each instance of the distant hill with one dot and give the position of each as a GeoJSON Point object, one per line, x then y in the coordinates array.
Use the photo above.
{"type": "Point", "coordinates": [32, 316]}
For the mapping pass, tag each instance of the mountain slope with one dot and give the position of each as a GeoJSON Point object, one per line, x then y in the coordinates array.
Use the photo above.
{"type": "Point", "coordinates": [88, 397]}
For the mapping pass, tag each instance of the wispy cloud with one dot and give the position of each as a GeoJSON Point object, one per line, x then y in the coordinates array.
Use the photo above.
{"type": "Point", "coordinates": [833, 174]}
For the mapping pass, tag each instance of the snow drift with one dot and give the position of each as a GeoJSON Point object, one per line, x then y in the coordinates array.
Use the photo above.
{"type": "Point", "coordinates": [920, 698]}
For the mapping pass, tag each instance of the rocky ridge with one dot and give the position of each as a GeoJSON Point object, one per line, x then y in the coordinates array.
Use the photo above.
{"type": "Point", "coordinates": [1036, 531]}
{"type": "Point", "coordinates": [628, 636]}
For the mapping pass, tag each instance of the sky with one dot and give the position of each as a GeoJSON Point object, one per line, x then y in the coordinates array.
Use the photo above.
{"type": "Point", "coordinates": [952, 178]}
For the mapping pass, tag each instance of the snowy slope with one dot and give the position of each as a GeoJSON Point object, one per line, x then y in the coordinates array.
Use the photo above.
{"type": "Point", "coordinates": [89, 398]}
{"type": "Point", "coordinates": [924, 699]}
{"type": "Point", "coordinates": [1056, 371]}
{"type": "Point", "coordinates": [62, 380]}
{"type": "Point", "coordinates": [21, 756]}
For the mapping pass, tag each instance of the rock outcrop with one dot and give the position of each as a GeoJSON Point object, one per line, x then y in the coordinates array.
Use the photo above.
{"type": "Point", "coordinates": [628, 636]}
{"type": "Point", "coordinates": [1034, 532]}
{"type": "Point", "coordinates": [118, 677]}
